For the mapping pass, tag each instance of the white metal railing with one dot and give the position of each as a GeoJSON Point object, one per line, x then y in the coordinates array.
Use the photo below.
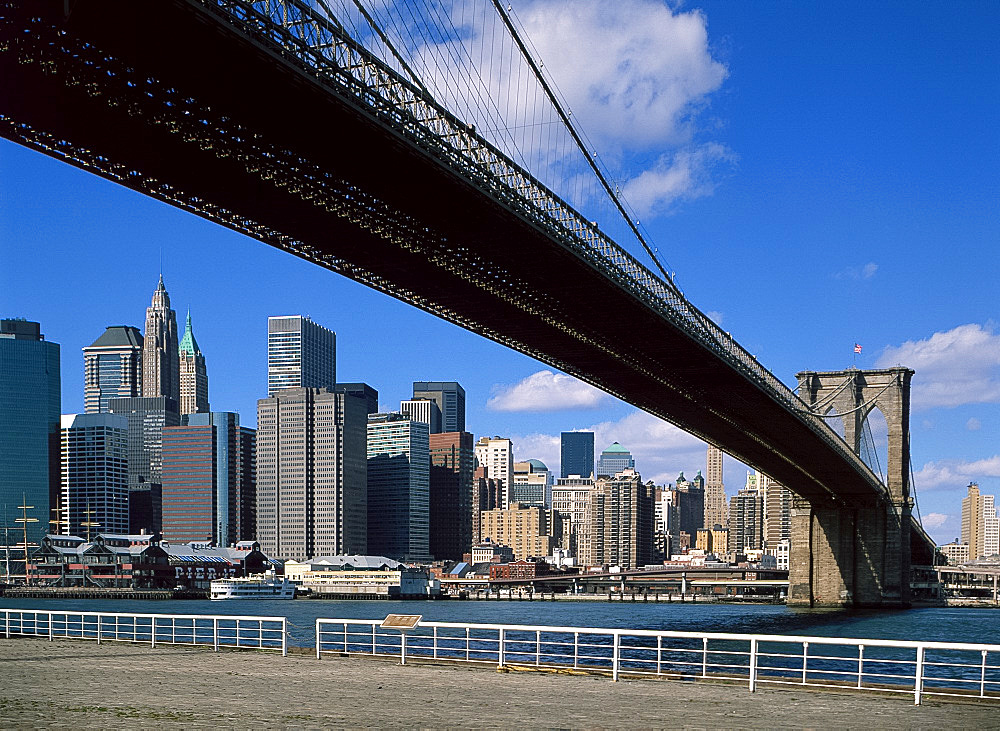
{"type": "Point", "coordinates": [889, 666]}
{"type": "Point", "coordinates": [214, 630]}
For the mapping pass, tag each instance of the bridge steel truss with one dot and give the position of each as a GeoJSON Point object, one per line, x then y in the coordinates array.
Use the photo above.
{"type": "Point", "coordinates": [266, 117]}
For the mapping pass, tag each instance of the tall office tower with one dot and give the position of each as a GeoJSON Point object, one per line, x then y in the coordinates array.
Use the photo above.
{"type": "Point", "coordinates": [248, 484]}
{"type": "Point", "coordinates": [160, 360]}
{"type": "Point", "coordinates": [30, 402]}
{"type": "Point", "coordinates": [777, 512]}
{"type": "Point", "coordinates": [112, 367]}
{"type": "Point", "coordinates": [312, 479]}
{"type": "Point", "coordinates": [613, 460]}
{"type": "Point", "coordinates": [690, 504]}
{"type": "Point", "coordinates": [570, 497]}
{"type": "Point", "coordinates": [716, 510]}
{"type": "Point", "coordinates": [398, 487]}
{"type": "Point", "coordinates": [147, 418]}
{"type": "Point", "coordinates": [531, 532]}
{"type": "Point", "coordinates": [452, 466]}
{"type": "Point", "coordinates": [193, 375]}
{"type": "Point", "coordinates": [487, 494]}
{"type": "Point", "coordinates": [532, 484]}
{"type": "Point", "coordinates": [449, 397]}
{"type": "Point", "coordinates": [425, 410]}
{"type": "Point", "coordinates": [94, 462]}
{"type": "Point", "coordinates": [496, 454]}
{"type": "Point", "coordinates": [576, 453]}
{"type": "Point", "coordinates": [203, 479]}
{"type": "Point", "coordinates": [361, 390]}
{"type": "Point", "coordinates": [300, 354]}
{"type": "Point", "coordinates": [746, 516]}
{"type": "Point", "coordinates": [620, 512]}
{"type": "Point", "coordinates": [979, 523]}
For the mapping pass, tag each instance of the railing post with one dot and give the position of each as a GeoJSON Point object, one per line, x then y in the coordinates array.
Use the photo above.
{"type": "Point", "coordinates": [98, 628]}
{"type": "Point", "coordinates": [753, 664]}
{"type": "Point", "coordinates": [982, 677]}
{"type": "Point", "coordinates": [500, 648]}
{"type": "Point", "coordinates": [6, 624]}
{"type": "Point", "coordinates": [861, 663]}
{"type": "Point", "coordinates": [434, 642]}
{"type": "Point", "coordinates": [538, 647]}
{"type": "Point", "coordinates": [614, 656]}
{"type": "Point", "coordinates": [215, 633]}
{"type": "Point", "coordinates": [152, 631]}
{"type": "Point", "coordinates": [317, 639]}
{"type": "Point", "coordinates": [918, 684]}
{"type": "Point", "coordinates": [402, 648]}
{"type": "Point", "coordinates": [284, 637]}
{"type": "Point", "coordinates": [51, 634]}
{"type": "Point", "coordinates": [704, 657]}
{"type": "Point", "coordinates": [805, 660]}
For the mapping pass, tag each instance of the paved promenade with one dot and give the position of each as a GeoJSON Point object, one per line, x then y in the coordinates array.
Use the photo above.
{"type": "Point", "coordinates": [83, 685]}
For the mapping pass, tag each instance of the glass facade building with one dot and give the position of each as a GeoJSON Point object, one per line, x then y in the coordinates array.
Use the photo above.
{"type": "Point", "coordinates": [300, 354]}
{"type": "Point", "coordinates": [613, 460]}
{"type": "Point", "coordinates": [576, 453]}
{"type": "Point", "coordinates": [112, 367]}
{"type": "Point", "coordinates": [398, 487]}
{"type": "Point", "coordinates": [94, 460]}
{"type": "Point", "coordinates": [30, 405]}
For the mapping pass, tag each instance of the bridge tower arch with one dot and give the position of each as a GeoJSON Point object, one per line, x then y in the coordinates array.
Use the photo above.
{"type": "Point", "coordinates": [856, 553]}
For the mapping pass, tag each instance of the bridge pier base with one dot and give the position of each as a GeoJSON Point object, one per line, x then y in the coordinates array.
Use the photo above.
{"type": "Point", "coordinates": [848, 556]}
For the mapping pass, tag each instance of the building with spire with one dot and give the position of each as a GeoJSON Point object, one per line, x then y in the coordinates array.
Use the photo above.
{"type": "Point", "coordinates": [160, 362]}
{"type": "Point", "coordinates": [716, 510]}
{"type": "Point", "coordinates": [112, 367]}
{"type": "Point", "coordinates": [193, 375]}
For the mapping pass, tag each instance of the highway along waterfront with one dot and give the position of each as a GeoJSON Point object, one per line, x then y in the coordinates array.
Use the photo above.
{"type": "Point", "coordinates": [933, 624]}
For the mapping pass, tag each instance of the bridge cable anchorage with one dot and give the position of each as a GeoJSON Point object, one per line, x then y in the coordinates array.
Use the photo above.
{"type": "Point", "coordinates": [632, 224]}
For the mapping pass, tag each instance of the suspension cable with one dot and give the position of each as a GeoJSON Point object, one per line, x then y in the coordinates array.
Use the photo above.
{"type": "Point", "coordinates": [576, 137]}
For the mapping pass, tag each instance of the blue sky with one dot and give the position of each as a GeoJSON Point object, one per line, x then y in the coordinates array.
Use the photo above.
{"type": "Point", "coordinates": [816, 174]}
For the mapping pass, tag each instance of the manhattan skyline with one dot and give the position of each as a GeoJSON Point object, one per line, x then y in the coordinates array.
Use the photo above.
{"type": "Point", "coordinates": [830, 180]}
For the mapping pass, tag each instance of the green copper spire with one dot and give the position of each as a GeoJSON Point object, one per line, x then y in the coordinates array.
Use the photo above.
{"type": "Point", "coordinates": [188, 343]}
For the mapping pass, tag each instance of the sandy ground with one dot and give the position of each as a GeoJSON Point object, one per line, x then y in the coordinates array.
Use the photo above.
{"type": "Point", "coordinates": [82, 685]}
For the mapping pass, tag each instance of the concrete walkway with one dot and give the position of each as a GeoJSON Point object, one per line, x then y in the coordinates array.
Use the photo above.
{"type": "Point", "coordinates": [83, 685]}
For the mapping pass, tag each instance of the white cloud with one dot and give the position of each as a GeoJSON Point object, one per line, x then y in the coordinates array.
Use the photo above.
{"type": "Point", "coordinates": [715, 316]}
{"type": "Point", "coordinates": [956, 367]}
{"type": "Point", "coordinates": [866, 271]}
{"type": "Point", "coordinates": [634, 72]}
{"type": "Point", "coordinates": [546, 391]}
{"type": "Point", "coordinates": [955, 474]}
{"type": "Point", "coordinates": [973, 424]}
{"type": "Point", "coordinates": [684, 175]}
{"type": "Point", "coordinates": [934, 520]}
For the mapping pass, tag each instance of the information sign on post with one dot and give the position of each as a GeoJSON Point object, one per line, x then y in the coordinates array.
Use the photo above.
{"type": "Point", "coordinates": [404, 623]}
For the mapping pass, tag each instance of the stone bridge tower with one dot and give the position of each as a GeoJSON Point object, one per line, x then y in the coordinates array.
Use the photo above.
{"type": "Point", "coordinates": [859, 553]}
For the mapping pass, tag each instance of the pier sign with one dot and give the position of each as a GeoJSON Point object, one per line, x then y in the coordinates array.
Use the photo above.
{"type": "Point", "coordinates": [401, 621]}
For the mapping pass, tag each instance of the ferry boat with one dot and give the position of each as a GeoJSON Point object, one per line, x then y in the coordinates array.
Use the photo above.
{"type": "Point", "coordinates": [263, 586]}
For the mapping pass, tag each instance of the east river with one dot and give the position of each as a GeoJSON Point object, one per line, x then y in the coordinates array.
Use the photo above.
{"type": "Point", "coordinates": [921, 624]}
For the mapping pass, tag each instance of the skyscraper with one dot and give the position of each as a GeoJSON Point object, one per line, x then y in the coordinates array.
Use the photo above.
{"type": "Point", "coordinates": [112, 367]}
{"type": "Point", "coordinates": [450, 399]}
{"type": "Point", "coordinates": [300, 354]}
{"type": "Point", "coordinates": [311, 474]}
{"type": "Point", "coordinates": [532, 484]}
{"type": "Point", "coordinates": [29, 423]}
{"type": "Point", "coordinates": [496, 454]}
{"type": "Point", "coordinates": [94, 460]}
{"type": "Point", "coordinates": [451, 487]}
{"type": "Point", "coordinates": [398, 487]}
{"type": "Point", "coordinates": [689, 500]}
{"type": "Point", "coordinates": [576, 453]}
{"type": "Point", "coordinates": [248, 484]}
{"type": "Point", "coordinates": [715, 491]}
{"type": "Point", "coordinates": [613, 460]}
{"type": "Point", "coordinates": [777, 512]}
{"type": "Point", "coordinates": [570, 498]}
{"type": "Point", "coordinates": [620, 514]}
{"type": "Point", "coordinates": [363, 391]}
{"type": "Point", "coordinates": [147, 416]}
{"type": "Point", "coordinates": [425, 410]}
{"type": "Point", "coordinates": [746, 516]}
{"type": "Point", "coordinates": [160, 361]}
{"type": "Point", "coordinates": [980, 527]}
{"type": "Point", "coordinates": [193, 374]}
{"type": "Point", "coordinates": [203, 478]}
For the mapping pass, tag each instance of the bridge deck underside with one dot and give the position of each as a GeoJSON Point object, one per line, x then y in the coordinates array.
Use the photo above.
{"type": "Point", "coordinates": [253, 143]}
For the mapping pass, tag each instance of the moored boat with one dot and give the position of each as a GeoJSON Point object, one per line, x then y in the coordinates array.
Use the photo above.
{"type": "Point", "coordinates": [264, 586]}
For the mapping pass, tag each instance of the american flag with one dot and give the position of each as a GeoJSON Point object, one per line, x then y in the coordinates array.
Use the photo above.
{"type": "Point", "coordinates": [857, 348]}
